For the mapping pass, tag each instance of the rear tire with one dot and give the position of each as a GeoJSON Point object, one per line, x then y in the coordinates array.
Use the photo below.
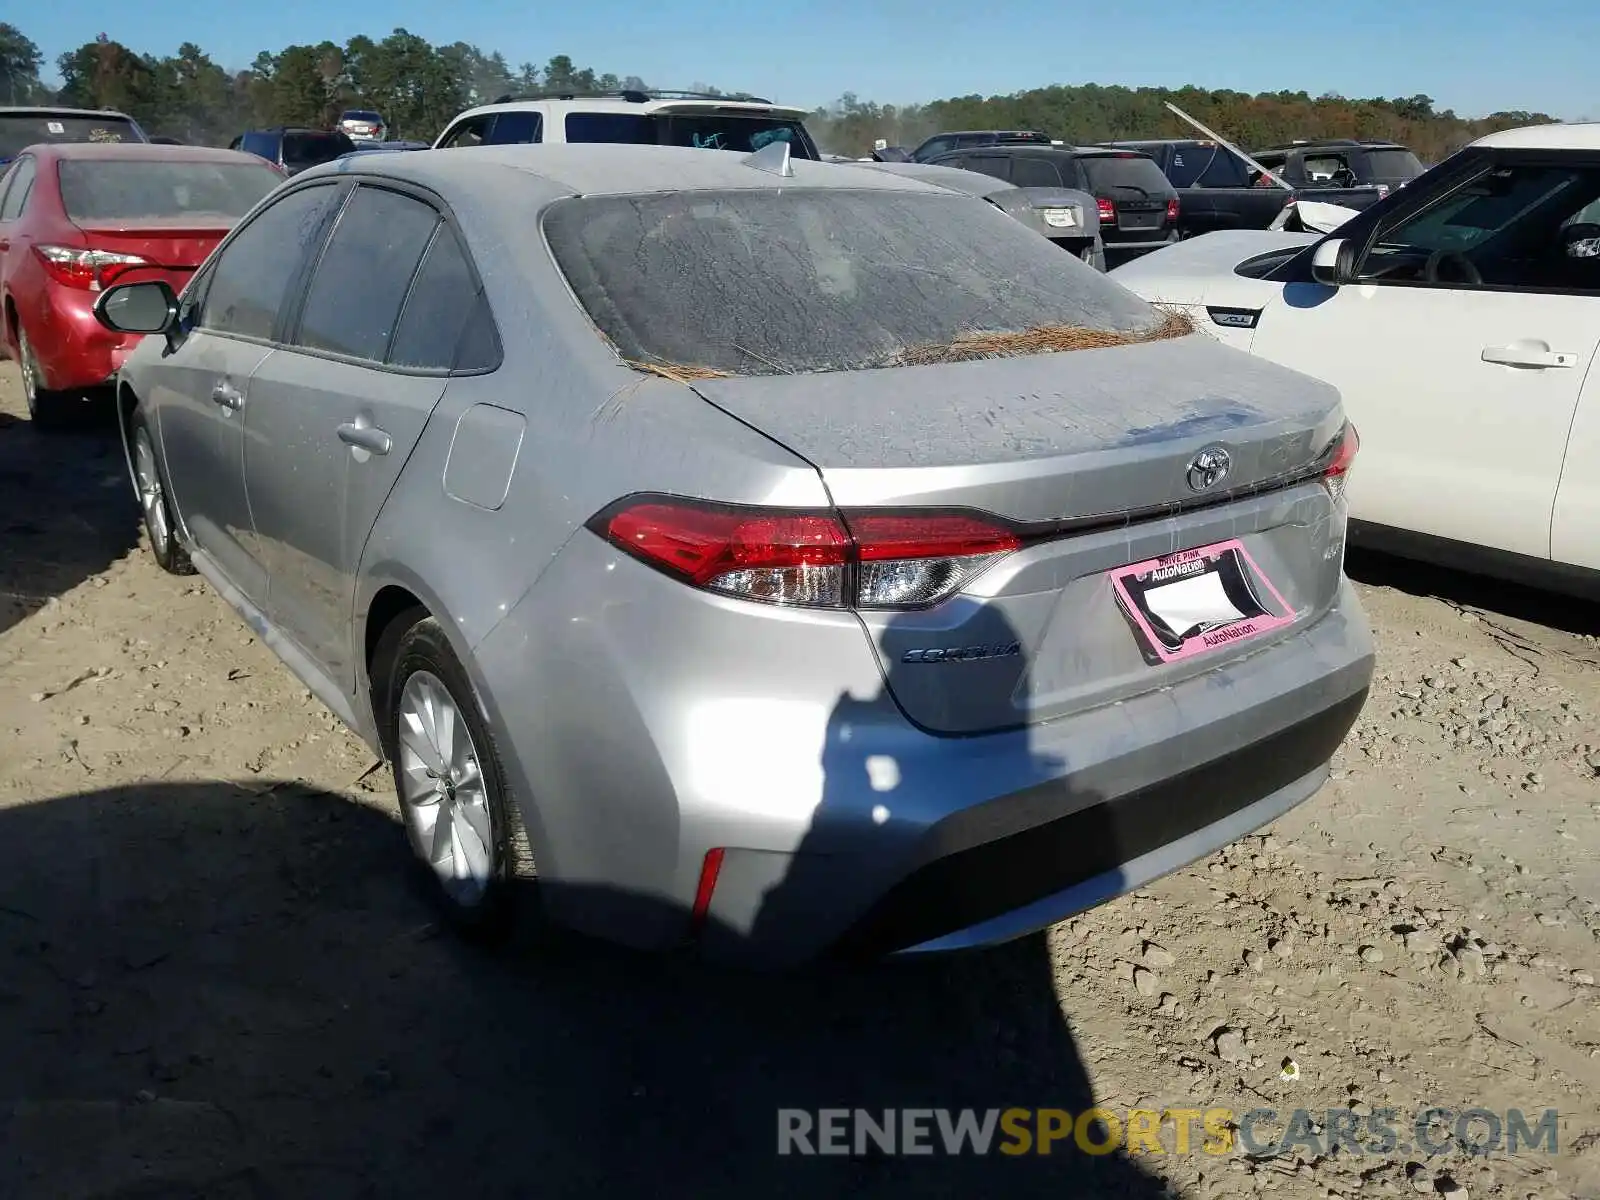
{"type": "Point", "coordinates": [46, 409]}
{"type": "Point", "coordinates": [463, 826]}
{"type": "Point", "coordinates": [155, 509]}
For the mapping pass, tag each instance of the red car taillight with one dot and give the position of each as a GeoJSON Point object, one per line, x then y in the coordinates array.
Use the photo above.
{"type": "Point", "coordinates": [1172, 210]}
{"type": "Point", "coordinates": [89, 269]}
{"type": "Point", "coordinates": [1108, 210]}
{"type": "Point", "coordinates": [1344, 457]}
{"type": "Point", "coordinates": [817, 559]}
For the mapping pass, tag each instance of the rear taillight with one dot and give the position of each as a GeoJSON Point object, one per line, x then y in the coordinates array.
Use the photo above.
{"type": "Point", "coordinates": [1108, 210]}
{"type": "Point", "coordinates": [1172, 210]}
{"type": "Point", "coordinates": [1344, 457]}
{"type": "Point", "coordinates": [89, 269]}
{"type": "Point", "coordinates": [880, 560]}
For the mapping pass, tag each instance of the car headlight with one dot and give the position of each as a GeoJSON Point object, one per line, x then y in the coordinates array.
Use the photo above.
{"type": "Point", "coordinates": [1061, 218]}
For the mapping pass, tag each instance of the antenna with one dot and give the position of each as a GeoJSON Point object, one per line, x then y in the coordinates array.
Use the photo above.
{"type": "Point", "coordinates": [772, 158]}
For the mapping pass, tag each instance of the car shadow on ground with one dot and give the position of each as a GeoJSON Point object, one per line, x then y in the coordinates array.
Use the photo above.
{"type": "Point", "coordinates": [66, 507]}
{"type": "Point", "coordinates": [223, 990]}
{"type": "Point", "coordinates": [1471, 592]}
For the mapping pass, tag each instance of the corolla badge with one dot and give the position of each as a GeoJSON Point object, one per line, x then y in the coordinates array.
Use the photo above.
{"type": "Point", "coordinates": [1209, 468]}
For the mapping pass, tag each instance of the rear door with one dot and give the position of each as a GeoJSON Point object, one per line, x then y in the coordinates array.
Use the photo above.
{"type": "Point", "coordinates": [334, 416]}
{"type": "Point", "coordinates": [14, 191]}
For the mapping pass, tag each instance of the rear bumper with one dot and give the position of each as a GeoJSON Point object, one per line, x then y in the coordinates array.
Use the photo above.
{"type": "Point", "coordinates": [1124, 243]}
{"type": "Point", "coordinates": [74, 351]}
{"type": "Point", "coordinates": [644, 724]}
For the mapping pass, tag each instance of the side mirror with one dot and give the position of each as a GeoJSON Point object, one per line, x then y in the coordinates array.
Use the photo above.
{"type": "Point", "coordinates": [1333, 263]}
{"type": "Point", "coordinates": [149, 307]}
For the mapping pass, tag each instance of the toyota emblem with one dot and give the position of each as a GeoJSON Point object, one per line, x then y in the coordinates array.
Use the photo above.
{"type": "Point", "coordinates": [1209, 468]}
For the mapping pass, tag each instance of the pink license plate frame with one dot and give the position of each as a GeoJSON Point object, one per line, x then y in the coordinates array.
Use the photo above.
{"type": "Point", "coordinates": [1126, 580]}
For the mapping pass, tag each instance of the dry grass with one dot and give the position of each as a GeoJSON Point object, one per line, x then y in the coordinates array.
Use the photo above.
{"type": "Point", "coordinates": [677, 372]}
{"type": "Point", "coordinates": [1050, 339]}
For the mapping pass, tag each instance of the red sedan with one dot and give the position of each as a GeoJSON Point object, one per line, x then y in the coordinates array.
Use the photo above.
{"type": "Point", "coordinates": [76, 216]}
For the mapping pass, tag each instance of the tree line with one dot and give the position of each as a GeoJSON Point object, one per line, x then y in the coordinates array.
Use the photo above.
{"type": "Point", "coordinates": [418, 87]}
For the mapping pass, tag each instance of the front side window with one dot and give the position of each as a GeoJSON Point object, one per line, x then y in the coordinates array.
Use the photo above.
{"type": "Point", "coordinates": [934, 147]}
{"type": "Point", "coordinates": [252, 275]}
{"type": "Point", "coordinates": [358, 288]}
{"type": "Point", "coordinates": [1505, 227]}
{"type": "Point", "coordinates": [865, 279]}
{"type": "Point", "coordinates": [470, 132]}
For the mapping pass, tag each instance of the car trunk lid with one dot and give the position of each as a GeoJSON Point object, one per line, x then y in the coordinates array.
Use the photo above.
{"type": "Point", "coordinates": [1092, 456]}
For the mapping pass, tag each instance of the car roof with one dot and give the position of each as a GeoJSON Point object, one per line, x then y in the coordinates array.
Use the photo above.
{"type": "Point", "coordinates": [1577, 135]}
{"type": "Point", "coordinates": [602, 169]}
{"type": "Point", "coordinates": [115, 151]}
{"type": "Point", "coordinates": [620, 104]}
{"type": "Point", "coordinates": [57, 110]}
{"type": "Point", "coordinates": [1017, 149]}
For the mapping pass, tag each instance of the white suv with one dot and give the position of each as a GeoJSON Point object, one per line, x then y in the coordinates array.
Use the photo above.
{"type": "Point", "coordinates": [710, 122]}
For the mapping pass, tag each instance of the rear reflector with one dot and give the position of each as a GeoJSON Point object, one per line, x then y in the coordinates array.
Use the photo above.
{"type": "Point", "coordinates": [895, 560]}
{"type": "Point", "coordinates": [709, 870]}
{"type": "Point", "coordinates": [89, 269]}
{"type": "Point", "coordinates": [1344, 457]}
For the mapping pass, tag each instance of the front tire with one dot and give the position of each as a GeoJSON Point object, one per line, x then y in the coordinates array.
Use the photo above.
{"type": "Point", "coordinates": [46, 409]}
{"type": "Point", "coordinates": [461, 823]}
{"type": "Point", "coordinates": [154, 507]}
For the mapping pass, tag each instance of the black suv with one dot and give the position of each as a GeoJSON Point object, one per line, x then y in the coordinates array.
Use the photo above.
{"type": "Point", "coordinates": [1342, 163]}
{"type": "Point", "coordinates": [1138, 207]}
{"type": "Point", "coordinates": [294, 149]}
{"type": "Point", "coordinates": [944, 143]}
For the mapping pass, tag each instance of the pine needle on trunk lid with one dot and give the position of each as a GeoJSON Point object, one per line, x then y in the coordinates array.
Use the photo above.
{"type": "Point", "coordinates": [1049, 339]}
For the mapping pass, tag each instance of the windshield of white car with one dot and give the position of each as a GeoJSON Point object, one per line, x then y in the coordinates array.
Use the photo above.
{"type": "Point", "coordinates": [780, 281]}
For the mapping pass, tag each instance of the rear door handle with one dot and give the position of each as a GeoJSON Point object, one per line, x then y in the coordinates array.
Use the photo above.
{"type": "Point", "coordinates": [365, 437]}
{"type": "Point", "coordinates": [228, 396]}
{"type": "Point", "coordinates": [5, 243]}
{"type": "Point", "coordinates": [1528, 356]}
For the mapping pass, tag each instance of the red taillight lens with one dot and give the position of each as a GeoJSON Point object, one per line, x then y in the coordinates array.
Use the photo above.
{"type": "Point", "coordinates": [89, 269]}
{"type": "Point", "coordinates": [820, 560]}
{"type": "Point", "coordinates": [1172, 209]}
{"type": "Point", "coordinates": [709, 870]}
{"type": "Point", "coordinates": [1344, 457]}
{"type": "Point", "coordinates": [1108, 210]}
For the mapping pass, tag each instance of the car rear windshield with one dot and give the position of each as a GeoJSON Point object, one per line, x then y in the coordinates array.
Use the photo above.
{"type": "Point", "coordinates": [1393, 166]}
{"type": "Point", "coordinates": [309, 149]}
{"type": "Point", "coordinates": [370, 118]}
{"type": "Point", "coordinates": [130, 190]}
{"type": "Point", "coordinates": [1134, 172]}
{"type": "Point", "coordinates": [789, 281]}
{"type": "Point", "coordinates": [707, 131]}
{"type": "Point", "coordinates": [20, 130]}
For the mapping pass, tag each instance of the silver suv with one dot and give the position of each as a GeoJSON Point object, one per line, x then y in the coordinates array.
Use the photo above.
{"type": "Point", "coordinates": [700, 120]}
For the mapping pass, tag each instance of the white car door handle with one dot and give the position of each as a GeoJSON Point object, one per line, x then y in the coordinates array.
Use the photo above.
{"type": "Point", "coordinates": [1528, 356]}
{"type": "Point", "coordinates": [365, 437]}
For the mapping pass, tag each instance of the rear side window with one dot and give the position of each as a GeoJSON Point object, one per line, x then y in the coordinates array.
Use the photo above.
{"type": "Point", "coordinates": [309, 149]}
{"type": "Point", "coordinates": [997, 166]}
{"type": "Point", "coordinates": [515, 129]}
{"type": "Point", "coordinates": [1114, 172]}
{"type": "Point", "coordinates": [19, 130]}
{"type": "Point", "coordinates": [709, 131]}
{"type": "Point", "coordinates": [444, 300]}
{"type": "Point", "coordinates": [16, 197]}
{"type": "Point", "coordinates": [1392, 166]}
{"type": "Point", "coordinates": [132, 190]}
{"type": "Point", "coordinates": [690, 278]}
{"type": "Point", "coordinates": [1199, 165]}
{"type": "Point", "coordinates": [253, 273]}
{"type": "Point", "coordinates": [355, 296]}
{"type": "Point", "coordinates": [1036, 172]}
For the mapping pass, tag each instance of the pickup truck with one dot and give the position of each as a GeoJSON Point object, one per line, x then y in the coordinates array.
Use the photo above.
{"type": "Point", "coordinates": [1217, 190]}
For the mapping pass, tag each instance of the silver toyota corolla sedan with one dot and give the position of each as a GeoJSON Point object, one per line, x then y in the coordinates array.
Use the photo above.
{"type": "Point", "coordinates": [776, 557]}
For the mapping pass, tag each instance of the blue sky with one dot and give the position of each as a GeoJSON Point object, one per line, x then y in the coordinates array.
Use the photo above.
{"type": "Point", "coordinates": [1475, 56]}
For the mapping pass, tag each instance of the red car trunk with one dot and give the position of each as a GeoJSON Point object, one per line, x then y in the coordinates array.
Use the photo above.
{"type": "Point", "coordinates": [172, 248]}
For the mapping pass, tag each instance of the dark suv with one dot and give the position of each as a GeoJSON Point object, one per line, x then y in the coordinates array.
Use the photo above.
{"type": "Point", "coordinates": [944, 143]}
{"type": "Point", "coordinates": [1138, 206]}
{"type": "Point", "coordinates": [1342, 163]}
{"type": "Point", "coordinates": [20, 127]}
{"type": "Point", "coordinates": [294, 149]}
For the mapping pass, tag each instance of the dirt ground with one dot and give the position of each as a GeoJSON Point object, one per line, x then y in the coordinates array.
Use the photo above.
{"type": "Point", "coordinates": [216, 981]}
